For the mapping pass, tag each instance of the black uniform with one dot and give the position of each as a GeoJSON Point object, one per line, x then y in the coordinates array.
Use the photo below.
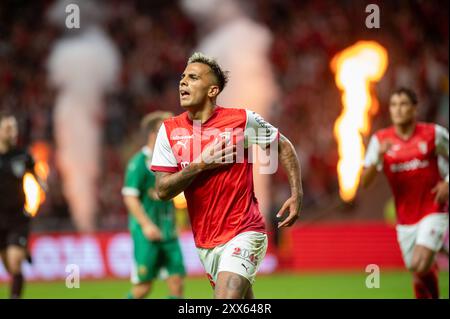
{"type": "Point", "coordinates": [14, 223]}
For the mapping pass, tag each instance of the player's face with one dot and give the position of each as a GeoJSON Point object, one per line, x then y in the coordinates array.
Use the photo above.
{"type": "Point", "coordinates": [196, 85]}
{"type": "Point", "coordinates": [402, 110]}
{"type": "Point", "coordinates": [8, 131]}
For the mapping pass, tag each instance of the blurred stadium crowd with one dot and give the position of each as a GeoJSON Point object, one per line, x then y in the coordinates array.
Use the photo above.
{"type": "Point", "coordinates": [156, 37]}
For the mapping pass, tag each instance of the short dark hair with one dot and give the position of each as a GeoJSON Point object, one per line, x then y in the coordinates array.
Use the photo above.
{"type": "Point", "coordinates": [150, 121]}
{"type": "Point", "coordinates": [408, 92]}
{"type": "Point", "coordinates": [219, 73]}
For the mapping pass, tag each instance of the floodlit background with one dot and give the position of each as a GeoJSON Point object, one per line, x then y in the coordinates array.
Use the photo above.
{"type": "Point", "coordinates": [79, 95]}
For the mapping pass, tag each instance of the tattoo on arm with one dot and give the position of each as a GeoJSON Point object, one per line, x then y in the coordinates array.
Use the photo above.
{"type": "Point", "coordinates": [170, 185]}
{"type": "Point", "coordinates": [291, 164]}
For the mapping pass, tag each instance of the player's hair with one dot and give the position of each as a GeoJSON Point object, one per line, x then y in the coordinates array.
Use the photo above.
{"type": "Point", "coordinates": [150, 121]}
{"type": "Point", "coordinates": [219, 73]}
{"type": "Point", "coordinates": [408, 92]}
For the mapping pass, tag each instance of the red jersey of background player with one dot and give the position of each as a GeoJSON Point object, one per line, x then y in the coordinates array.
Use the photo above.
{"type": "Point", "coordinates": [411, 167]}
{"type": "Point", "coordinates": [221, 203]}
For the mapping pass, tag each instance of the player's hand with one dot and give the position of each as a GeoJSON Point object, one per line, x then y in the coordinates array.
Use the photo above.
{"type": "Point", "coordinates": [441, 191]}
{"type": "Point", "coordinates": [153, 194]}
{"type": "Point", "coordinates": [152, 232]}
{"type": "Point", "coordinates": [294, 204]}
{"type": "Point", "coordinates": [384, 147]}
{"type": "Point", "coordinates": [218, 153]}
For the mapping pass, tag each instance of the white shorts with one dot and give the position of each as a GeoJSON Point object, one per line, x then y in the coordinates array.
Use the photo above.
{"type": "Point", "coordinates": [242, 255]}
{"type": "Point", "coordinates": [428, 232]}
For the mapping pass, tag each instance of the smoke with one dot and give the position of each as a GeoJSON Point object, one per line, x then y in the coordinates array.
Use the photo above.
{"type": "Point", "coordinates": [241, 47]}
{"type": "Point", "coordinates": [82, 66]}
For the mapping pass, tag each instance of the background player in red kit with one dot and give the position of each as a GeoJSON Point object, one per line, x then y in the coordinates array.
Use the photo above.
{"type": "Point", "coordinates": [408, 154]}
{"type": "Point", "coordinates": [204, 152]}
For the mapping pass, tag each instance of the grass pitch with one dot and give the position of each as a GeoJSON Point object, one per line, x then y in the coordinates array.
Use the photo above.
{"type": "Point", "coordinates": [341, 285]}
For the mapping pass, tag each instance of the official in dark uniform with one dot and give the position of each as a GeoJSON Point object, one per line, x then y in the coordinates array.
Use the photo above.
{"type": "Point", "coordinates": [14, 222]}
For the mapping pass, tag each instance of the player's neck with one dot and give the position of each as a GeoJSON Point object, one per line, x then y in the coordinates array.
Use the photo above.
{"type": "Point", "coordinates": [203, 113]}
{"type": "Point", "coordinates": [405, 131]}
{"type": "Point", "coordinates": [150, 145]}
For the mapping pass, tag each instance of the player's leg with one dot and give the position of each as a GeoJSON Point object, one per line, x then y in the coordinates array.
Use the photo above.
{"type": "Point", "coordinates": [429, 241]}
{"type": "Point", "coordinates": [422, 259]}
{"type": "Point", "coordinates": [4, 260]}
{"type": "Point", "coordinates": [230, 285]}
{"type": "Point", "coordinates": [249, 294]}
{"type": "Point", "coordinates": [3, 246]}
{"type": "Point", "coordinates": [173, 262]}
{"type": "Point", "coordinates": [140, 290]}
{"type": "Point", "coordinates": [15, 255]}
{"type": "Point", "coordinates": [145, 265]}
{"type": "Point", "coordinates": [175, 284]}
{"type": "Point", "coordinates": [425, 273]}
{"type": "Point", "coordinates": [239, 263]}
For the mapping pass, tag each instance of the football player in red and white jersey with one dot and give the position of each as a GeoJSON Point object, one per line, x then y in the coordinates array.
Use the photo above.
{"type": "Point", "coordinates": [408, 154]}
{"type": "Point", "coordinates": [205, 153]}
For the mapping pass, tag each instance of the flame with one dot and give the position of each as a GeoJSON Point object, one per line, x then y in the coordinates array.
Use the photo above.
{"type": "Point", "coordinates": [34, 194]}
{"type": "Point", "coordinates": [355, 68]}
{"type": "Point", "coordinates": [180, 201]}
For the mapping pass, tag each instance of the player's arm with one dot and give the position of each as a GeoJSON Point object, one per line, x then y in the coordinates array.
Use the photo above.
{"type": "Point", "coordinates": [169, 180]}
{"type": "Point", "coordinates": [134, 207]}
{"type": "Point", "coordinates": [131, 192]}
{"type": "Point", "coordinates": [287, 156]}
{"type": "Point", "coordinates": [374, 160]}
{"type": "Point", "coordinates": [263, 134]}
{"type": "Point", "coordinates": [442, 149]}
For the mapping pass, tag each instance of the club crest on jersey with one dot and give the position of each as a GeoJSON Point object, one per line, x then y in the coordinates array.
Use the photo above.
{"type": "Point", "coordinates": [18, 168]}
{"type": "Point", "coordinates": [423, 147]}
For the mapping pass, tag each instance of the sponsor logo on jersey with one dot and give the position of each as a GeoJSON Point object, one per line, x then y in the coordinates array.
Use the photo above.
{"type": "Point", "coordinates": [182, 137]}
{"type": "Point", "coordinates": [182, 143]}
{"type": "Point", "coordinates": [409, 166]}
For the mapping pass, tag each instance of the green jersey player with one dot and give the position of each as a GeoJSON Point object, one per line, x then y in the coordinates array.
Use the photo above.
{"type": "Point", "coordinates": [151, 221]}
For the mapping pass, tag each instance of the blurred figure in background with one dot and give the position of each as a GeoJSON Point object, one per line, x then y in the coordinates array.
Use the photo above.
{"type": "Point", "coordinates": [408, 153]}
{"type": "Point", "coordinates": [151, 221]}
{"type": "Point", "coordinates": [14, 223]}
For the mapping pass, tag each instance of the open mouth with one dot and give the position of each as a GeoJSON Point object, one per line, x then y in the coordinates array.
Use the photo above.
{"type": "Point", "coordinates": [184, 93]}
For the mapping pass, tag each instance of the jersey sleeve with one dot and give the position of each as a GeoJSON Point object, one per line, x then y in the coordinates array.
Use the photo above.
{"type": "Point", "coordinates": [442, 148]}
{"type": "Point", "coordinates": [372, 154]}
{"type": "Point", "coordinates": [134, 178]}
{"type": "Point", "coordinates": [258, 131]}
{"type": "Point", "coordinates": [163, 158]}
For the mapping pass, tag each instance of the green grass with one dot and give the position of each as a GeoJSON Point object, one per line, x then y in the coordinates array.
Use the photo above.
{"type": "Point", "coordinates": [393, 284]}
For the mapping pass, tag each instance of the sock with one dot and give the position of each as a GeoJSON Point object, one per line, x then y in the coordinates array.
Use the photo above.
{"type": "Point", "coordinates": [16, 286]}
{"type": "Point", "coordinates": [130, 295]}
{"type": "Point", "coordinates": [173, 297]}
{"type": "Point", "coordinates": [426, 286]}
